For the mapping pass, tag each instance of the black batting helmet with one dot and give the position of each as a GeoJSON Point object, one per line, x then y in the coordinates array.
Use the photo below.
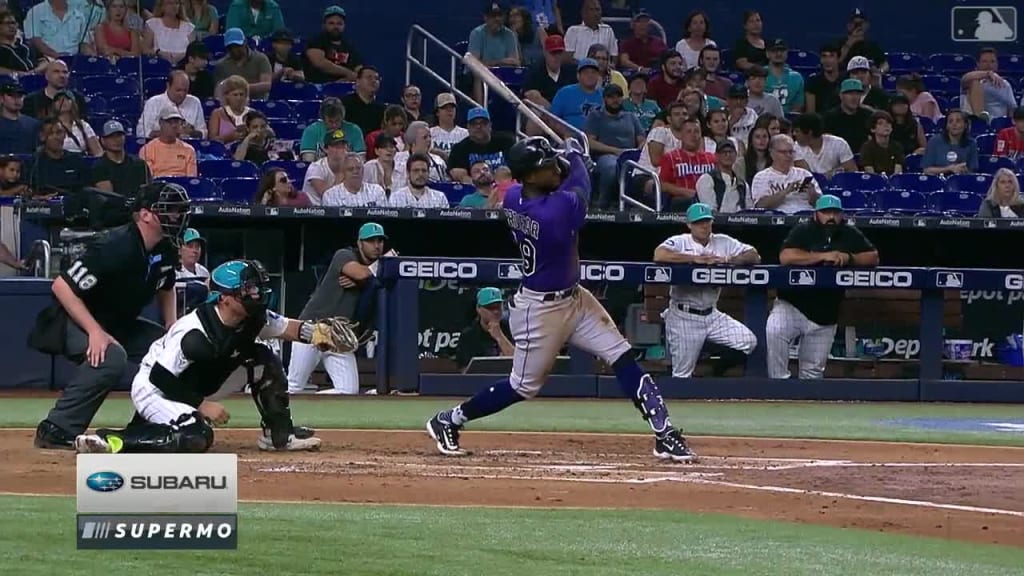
{"type": "Point", "coordinates": [528, 155]}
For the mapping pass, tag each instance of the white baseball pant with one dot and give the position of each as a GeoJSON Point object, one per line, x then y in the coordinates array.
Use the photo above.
{"type": "Point", "coordinates": [342, 369]}
{"type": "Point", "coordinates": [542, 328]}
{"type": "Point", "coordinates": [150, 403]}
{"type": "Point", "coordinates": [785, 324]}
{"type": "Point", "coordinates": [686, 333]}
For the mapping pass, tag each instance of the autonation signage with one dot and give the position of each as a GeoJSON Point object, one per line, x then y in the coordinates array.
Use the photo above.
{"type": "Point", "coordinates": [157, 501]}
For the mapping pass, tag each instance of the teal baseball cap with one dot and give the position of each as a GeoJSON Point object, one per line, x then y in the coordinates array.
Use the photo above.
{"type": "Point", "coordinates": [489, 295]}
{"type": "Point", "coordinates": [698, 212]}
{"type": "Point", "coordinates": [851, 85]}
{"type": "Point", "coordinates": [191, 235]}
{"type": "Point", "coordinates": [828, 202]}
{"type": "Point", "coordinates": [371, 230]}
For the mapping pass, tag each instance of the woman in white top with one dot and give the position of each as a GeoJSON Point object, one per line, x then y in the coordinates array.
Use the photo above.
{"type": "Point", "coordinates": [381, 169]}
{"type": "Point", "coordinates": [81, 138]}
{"type": "Point", "coordinates": [227, 123]}
{"type": "Point", "coordinates": [168, 32]}
{"type": "Point", "coordinates": [695, 38]}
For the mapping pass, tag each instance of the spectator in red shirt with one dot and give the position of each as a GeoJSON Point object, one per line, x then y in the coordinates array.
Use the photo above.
{"type": "Point", "coordinates": [394, 125]}
{"type": "Point", "coordinates": [642, 50]}
{"type": "Point", "coordinates": [1010, 141]}
{"type": "Point", "coordinates": [680, 169]}
{"type": "Point", "coordinates": [664, 88]}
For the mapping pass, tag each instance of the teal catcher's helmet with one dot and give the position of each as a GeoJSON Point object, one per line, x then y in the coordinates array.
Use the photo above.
{"type": "Point", "coordinates": [247, 280]}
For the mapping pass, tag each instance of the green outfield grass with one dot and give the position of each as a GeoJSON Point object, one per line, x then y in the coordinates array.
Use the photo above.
{"type": "Point", "coordinates": [327, 540]}
{"type": "Point", "coordinates": [852, 421]}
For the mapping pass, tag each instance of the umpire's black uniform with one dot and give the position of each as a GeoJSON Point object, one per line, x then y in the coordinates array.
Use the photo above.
{"type": "Point", "coordinates": [115, 279]}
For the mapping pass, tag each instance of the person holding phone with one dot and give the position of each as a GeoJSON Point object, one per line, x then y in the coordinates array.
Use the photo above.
{"type": "Point", "coordinates": [783, 186]}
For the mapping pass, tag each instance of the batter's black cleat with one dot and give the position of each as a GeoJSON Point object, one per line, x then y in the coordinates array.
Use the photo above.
{"type": "Point", "coordinates": [303, 432]}
{"type": "Point", "coordinates": [49, 436]}
{"type": "Point", "coordinates": [446, 435]}
{"type": "Point", "coordinates": [672, 446]}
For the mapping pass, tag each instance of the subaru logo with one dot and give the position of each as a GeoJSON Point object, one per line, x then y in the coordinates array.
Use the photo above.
{"type": "Point", "coordinates": [104, 481]}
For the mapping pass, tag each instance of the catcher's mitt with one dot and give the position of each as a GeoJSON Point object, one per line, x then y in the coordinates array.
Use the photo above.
{"type": "Point", "coordinates": [335, 335]}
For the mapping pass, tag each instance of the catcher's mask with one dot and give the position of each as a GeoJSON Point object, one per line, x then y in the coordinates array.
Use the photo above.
{"type": "Point", "coordinates": [170, 203]}
{"type": "Point", "coordinates": [246, 280]}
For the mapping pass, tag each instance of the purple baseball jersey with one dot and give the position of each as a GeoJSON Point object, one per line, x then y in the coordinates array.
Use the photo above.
{"type": "Point", "coordinates": [546, 229]}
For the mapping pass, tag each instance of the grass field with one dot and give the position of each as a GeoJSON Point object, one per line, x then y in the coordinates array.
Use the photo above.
{"type": "Point", "coordinates": [37, 533]}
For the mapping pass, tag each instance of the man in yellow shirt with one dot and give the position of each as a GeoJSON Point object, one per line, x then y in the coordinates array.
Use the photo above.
{"type": "Point", "coordinates": [167, 154]}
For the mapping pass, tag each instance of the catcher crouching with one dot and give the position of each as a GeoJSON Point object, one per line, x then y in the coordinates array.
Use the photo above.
{"type": "Point", "coordinates": [199, 353]}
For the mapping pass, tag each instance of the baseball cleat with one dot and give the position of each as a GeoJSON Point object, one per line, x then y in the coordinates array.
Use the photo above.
{"type": "Point", "coordinates": [672, 446]}
{"type": "Point", "coordinates": [92, 444]}
{"type": "Point", "coordinates": [446, 435]}
{"type": "Point", "coordinates": [300, 432]}
{"type": "Point", "coordinates": [295, 444]}
{"type": "Point", "coordinates": [51, 437]}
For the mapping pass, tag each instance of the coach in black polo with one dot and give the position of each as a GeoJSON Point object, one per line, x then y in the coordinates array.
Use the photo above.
{"type": "Point", "coordinates": [812, 313]}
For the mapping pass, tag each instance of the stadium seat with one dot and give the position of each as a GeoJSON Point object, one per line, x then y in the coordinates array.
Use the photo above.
{"type": "Point", "coordinates": [971, 183]}
{"type": "Point", "coordinates": [989, 164]}
{"type": "Point", "coordinates": [1001, 123]}
{"type": "Point", "coordinates": [912, 163]}
{"type": "Point", "coordinates": [209, 106]}
{"type": "Point", "coordinates": [209, 148]}
{"type": "Point", "coordinates": [1011, 63]}
{"type": "Point", "coordinates": [239, 190]}
{"type": "Point", "coordinates": [144, 67]}
{"type": "Point", "coordinates": [91, 66]}
{"type": "Point", "coordinates": [736, 77]}
{"type": "Point", "coordinates": [133, 145]}
{"type": "Point", "coordinates": [1020, 166]}
{"type": "Point", "coordinates": [951, 64]}
{"type": "Point", "coordinates": [958, 202]}
{"type": "Point", "coordinates": [801, 60]}
{"type": "Point", "coordinates": [853, 199]}
{"type": "Point", "coordinates": [916, 182]}
{"type": "Point", "coordinates": [862, 181]}
{"type": "Point", "coordinates": [219, 169]}
{"type": "Point", "coordinates": [97, 120]}
{"type": "Point", "coordinates": [928, 125]}
{"type": "Point", "coordinates": [153, 86]}
{"type": "Point", "coordinates": [109, 86]}
{"type": "Point", "coordinates": [513, 76]}
{"type": "Point", "coordinates": [455, 191]}
{"type": "Point", "coordinates": [296, 170]}
{"type": "Point", "coordinates": [215, 43]}
{"type": "Point", "coordinates": [32, 82]}
{"type": "Point", "coordinates": [823, 181]}
{"type": "Point", "coordinates": [199, 189]}
{"type": "Point", "coordinates": [306, 111]}
{"type": "Point", "coordinates": [277, 109]}
{"type": "Point", "coordinates": [906, 62]}
{"type": "Point", "coordinates": [293, 91]}
{"type": "Point", "coordinates": [978, 126]}
{"type": "Point", "coordinates": [337, 89]}
{"type": "Point", "coordinates": [889, 83]}
{"type": "Point", "coordinates": [898, 201]}
{"type": "Point", "coordinates": [286, 130]}
{"type": "Point", "coordinates": [128, 106]}
{"type": "Point", "coordinates": [944, 103]}
{"type": "Point", "coordinates": [941, 84]}
{"type": "Point", "coordinates": [96, 104]}
{"type": "Point", "coordinates": [986, 143]}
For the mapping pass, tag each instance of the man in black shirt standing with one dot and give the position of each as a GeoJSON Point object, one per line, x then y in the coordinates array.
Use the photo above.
{"type": "Point", "coordinates": [489, 334]}
{"type": "Point", "coordinates": [822, 90]}
{"type": "Point", "coordinates": [117, 171]}
{"type": "Point", "coordinates": [361, 106]}
{"type": "Point", "coordinates": [95, 318]}
{"type": "Point", "coordinates": [53, 170]}
{"type": "Point", "coordinates": [480, 145]}
{"type": "Point", "coordinates": [330, 57]}
{"type": "Point", "coordinates": [812, 313]}
{"type": "Point", "coordinates": [850, 120]}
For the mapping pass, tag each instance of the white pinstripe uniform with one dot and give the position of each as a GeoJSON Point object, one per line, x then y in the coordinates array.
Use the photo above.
{"type": "Point", "coordinates": [785, 324]}
{"type": "Point", "coordinates": [367, 195]}
{"type": "Point", "coordinates": [691, 317]}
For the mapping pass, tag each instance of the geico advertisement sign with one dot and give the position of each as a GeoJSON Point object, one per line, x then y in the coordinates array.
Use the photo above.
{"type": "Point", "coordinates": [1014, 282]}
{"type": "Point", "coordinates": [730, 276]}
{"type": "Point", "coordinates": [157, 483]}
{"type": "Point", "coordinates": [609, 272]}
{"type": "Point", "coordinates": [447, 270]}
{"type": "Point", "coordinates": [874, 279]}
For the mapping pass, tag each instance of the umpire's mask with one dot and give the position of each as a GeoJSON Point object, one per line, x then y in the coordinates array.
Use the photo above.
{"type": "Point", "coordinates": [170, 203]}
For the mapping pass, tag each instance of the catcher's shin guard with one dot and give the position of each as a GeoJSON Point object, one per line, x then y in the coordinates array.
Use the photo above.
{"type": "Point", "coordinates": [188, 434]}
{"type": "Point", "coordinates": [270, 393]}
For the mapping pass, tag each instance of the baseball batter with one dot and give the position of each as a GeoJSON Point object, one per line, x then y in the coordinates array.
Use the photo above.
{"type": "Point", "coordinates": [691, 317]}
{"type": "Point", "coordinates": [350, 274]}
{"type": "Point", "coordinates": [811, 314]}
{"type": "Point", "coordinates": [545, 214]}
{"type": "Point", "coordinates": [198, 354]}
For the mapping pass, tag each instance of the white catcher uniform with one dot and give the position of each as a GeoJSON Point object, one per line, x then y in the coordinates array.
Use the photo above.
{"type": "Point", "coordinates": [691, 317]}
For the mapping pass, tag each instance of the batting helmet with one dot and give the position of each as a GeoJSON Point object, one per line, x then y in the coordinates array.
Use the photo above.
{"type": "Point", "coordinates": [530, 154]}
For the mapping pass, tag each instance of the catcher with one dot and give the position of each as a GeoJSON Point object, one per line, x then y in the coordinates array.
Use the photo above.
{"type": "Point", "coordinates": [197, 355]}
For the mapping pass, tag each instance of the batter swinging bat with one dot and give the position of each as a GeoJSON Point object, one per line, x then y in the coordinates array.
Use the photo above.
{"type": "Point", "coordinates": [494, 83]}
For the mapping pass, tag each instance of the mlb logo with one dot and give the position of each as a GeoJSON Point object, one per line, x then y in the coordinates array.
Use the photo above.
{"type": "Point", "coordinates": [983, 24]}
{"type": "Point", "coordinates": [990, 224]}
{"type": "Point", "coordinates": [636, 218]}
{"type": "Point", "coordinates": [492, 215]}
{"type": "Point", "coordinates": [803, 278]}
{"type": "Point", "coordinates": [658, 274]}
{"type": "Point", "coordinates": [198, 210]}
{"type": "Point", "coordinates": [346, 213]}
{"type": "Point", "coordinates": [921, 223]}
{"type": "Point", "coordinates": [778, 220]}
{"type": "Point", "coordinates": [419, 213]}
{"type": "Point", "coordinates": [272, 212]}
{"type": "Point", "coordinates": [510, 272]}
{"type": "Point", "coordinates": [949, 280]}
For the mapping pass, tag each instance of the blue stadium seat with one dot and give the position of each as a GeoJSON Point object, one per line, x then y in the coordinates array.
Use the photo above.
{"type": "Point", "coordinates": [986, 143]}
{"type": "Point", "coordinates": [912, 163]}
{"type": "Point", "coordinates": [199, 189]}
{"type": "Point", "coordinates": [916, 182]}
{"type": "Point", "coordinates": [801, 60]}
{"type": "Point", "coordinates": [889, 83]}
{"type": "Point", "coordinates": [306, 111]}
{"type": "Point", "coordinates": [218, 169]}
{"type": "Point", "coordinates": [296, 170]}
{"type": "Point", "coordinates": [989, 164]}
{"type": "Point", "coordinates": [928, 125]}
{"type": "Point", "coordinates": [97, 104]}
{"type": "Point", "coordinates": [97, 120]}
{"type": "Point", "coordinates": [958, 202]}
{"type": "Point", "coordinates": [215, 43]}
{"type": "Point", "coordinates": [1011, 63]}
{"type": "Point", "coordinates": [293, 91]}
{"type": "Point", "coordinates": [944, 103]}
{"type": "Point", "coordinates": [32, 82]}
{"type": "Point", "coordinates": [455, 191]}
{"type": "Point", "coordinates": [900, 201]}
{"type": "Point", "coordinates": [853, 199]}
{"type": "Point", "coordinates": [109, 86]}
{"type": "Point", "coordinates": [735, 77]}
{"type": "Point", "coordinates": [209, 148]}
{"type": "Point", "coordinates": [823, 181]}
{"type": "Point", "coordinates": [1000, 123]}
{"type": "Point", "coordinates": [906, 62]}
{"type": "Point", "coordinates": [273, 108]}
{"type": "Point", "coordinates": [513, 76]}
{"type": "Point", "coordinates": [1020, 167]}
{"type": "Point", "coordinates": [862, 181]}
{"type": "Point", "coordinates": [239, 190]}
{"type": "Point", "coordinates": [952, 64]}
{"type": "Point", "coordinates": [971, 183]}
{"type": "Point", "coordinates": [941, 84]}
{"type": "Point", "coordinates": [91, 66]}
{"type": "Point", "coordinates": [288, 130]}
{"type": "Point", "coordinates": [337, 89]}
{"type": "Point", "coordinates": [90, 84]}
{"type": "Point", "coordinates": [209, 106]}
{"type": "Point", "coordinates": [133, 145]}
{"type": "Point", "coordinates": [153, 86]}
{"type": "Point", "coordinates": [149, 67]}
{"type": "Point", "coordinates": [124, 106]}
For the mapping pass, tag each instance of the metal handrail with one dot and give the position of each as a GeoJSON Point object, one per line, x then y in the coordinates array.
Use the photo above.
{"type": "Point", "coordinates": [41, 247]}
{"type": "Point", "coordinates": [456, 60]}
{"type": "Point", "coordinates": [579, 134]}
{"type": "Point", "coordinates": [627, 167]}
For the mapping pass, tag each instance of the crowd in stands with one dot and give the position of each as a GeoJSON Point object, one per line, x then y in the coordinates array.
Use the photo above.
{"type": "Point", "coordinates": [238, 108]}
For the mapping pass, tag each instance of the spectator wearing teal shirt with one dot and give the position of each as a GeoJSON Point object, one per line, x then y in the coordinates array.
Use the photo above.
{"type": "Point", "coordinates": [572, 103]}
{"type": "Point", "coordinates": [332, 117]}
{"type": "Point", "coordinates": [256, 17]}
{"type": "Point", "coordinates": [52, 36]}
{"type": "Point", "coordinates": [483, 192]}
{"type": "Point", "coordinates": [637, 102]}
{"type": "Point", "coordinates": [492, 42]}
{"type": "Point", "coordinates": [783, 82]}
{"type": "Point", "coordinates": [698, 78]}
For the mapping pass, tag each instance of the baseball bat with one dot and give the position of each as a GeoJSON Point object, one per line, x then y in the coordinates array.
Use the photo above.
{"type": "Point", "coordinates": [501, 89]}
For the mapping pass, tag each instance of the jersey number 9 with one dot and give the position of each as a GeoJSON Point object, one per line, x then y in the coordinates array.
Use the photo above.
{"type": "Point", "coordinates": [529, 252]}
